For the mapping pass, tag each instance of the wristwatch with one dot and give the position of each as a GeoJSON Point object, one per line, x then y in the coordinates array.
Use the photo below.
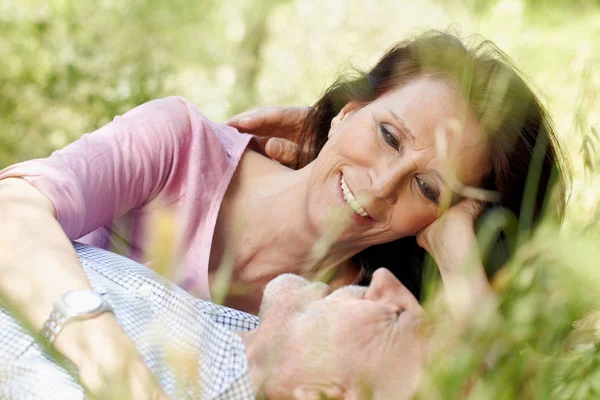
{"type": "Point", "coordinates": [72, 306]}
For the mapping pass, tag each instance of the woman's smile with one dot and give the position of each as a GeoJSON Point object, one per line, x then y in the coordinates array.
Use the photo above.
{"type": "Point", "coordinates": [360, 214]}
{"type": "Point", "coordinates": [351, 199]}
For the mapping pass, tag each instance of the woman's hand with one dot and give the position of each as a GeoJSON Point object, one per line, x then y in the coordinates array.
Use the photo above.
{"type": "Point", "coordinates": [277, 129]}
{"type": "Point", "coordinates": [35, 250]}
{"type": "Point", "coordinates": [452, 243]}
{"type": "Point", "coordinates": [109, 365]}
{"type": "Point", "coordinates": [440, 236]}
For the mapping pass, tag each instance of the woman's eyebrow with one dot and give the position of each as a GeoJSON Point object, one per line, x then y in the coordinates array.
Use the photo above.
{"type": "Point", "coordinates": [403, 127]}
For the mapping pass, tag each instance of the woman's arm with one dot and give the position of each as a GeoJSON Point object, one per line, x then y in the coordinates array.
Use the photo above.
{"type": "Point", "coordinates": [452, 243]}
{"type": "Point", "coordinates": [37, 266]}
{"type": "Point", "coordinates": [146, 153]}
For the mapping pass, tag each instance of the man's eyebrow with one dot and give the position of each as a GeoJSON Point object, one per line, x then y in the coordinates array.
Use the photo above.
{"type": "Point", "coordinates": [405, 129]}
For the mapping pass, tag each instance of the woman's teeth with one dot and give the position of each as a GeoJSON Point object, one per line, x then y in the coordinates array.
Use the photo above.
{"type": "Point", "coordinates": [351, 200]}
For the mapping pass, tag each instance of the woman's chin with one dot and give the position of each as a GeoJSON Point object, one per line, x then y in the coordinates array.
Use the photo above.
{"type": "Point", "coordinates": [336, 222]}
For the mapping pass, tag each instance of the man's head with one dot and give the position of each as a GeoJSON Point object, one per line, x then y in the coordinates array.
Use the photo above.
{"type": "Point", "coordinates": [345, 344]}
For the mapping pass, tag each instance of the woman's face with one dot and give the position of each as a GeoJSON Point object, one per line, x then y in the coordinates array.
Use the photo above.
{"type": "Point", "coordinates": [380, 162]}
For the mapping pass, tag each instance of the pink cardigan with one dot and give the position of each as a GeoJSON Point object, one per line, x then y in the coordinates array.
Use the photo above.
{"type": "Point", "coordinates": [162, 154]}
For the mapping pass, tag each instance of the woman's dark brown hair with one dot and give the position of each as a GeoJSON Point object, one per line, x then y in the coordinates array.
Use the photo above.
{"type": "Point", "coordinates": [506, 108]}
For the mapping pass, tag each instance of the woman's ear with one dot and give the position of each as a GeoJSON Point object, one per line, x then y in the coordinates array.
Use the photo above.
{"type": "Point", "coordinates": [348, 109]}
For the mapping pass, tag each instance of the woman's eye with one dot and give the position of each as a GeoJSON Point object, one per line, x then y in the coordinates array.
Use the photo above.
{"type": "Point", "coordinates": [428, 191]}
{"type": "Point", "coordinates": [389, 137]}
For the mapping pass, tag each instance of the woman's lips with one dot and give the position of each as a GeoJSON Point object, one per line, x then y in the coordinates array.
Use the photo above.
{"type": "Point", "coordinates": [355, 216]}
{"type": "Point", "coordinates": [351, 199]}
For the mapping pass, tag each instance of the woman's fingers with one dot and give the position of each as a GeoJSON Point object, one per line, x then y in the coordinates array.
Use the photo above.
{"type": "Point", "coordinates": [474, 207]}
{"type": "Point", "coordinates": [282, 150]}
{"type": "Point", "coordinates": [108, 362]}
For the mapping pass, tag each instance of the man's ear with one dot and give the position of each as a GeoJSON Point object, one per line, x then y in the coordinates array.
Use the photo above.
{"type": "Point", "coordinates": [349, 108]}
{"type": "Point", "coordinates": [333, 392]}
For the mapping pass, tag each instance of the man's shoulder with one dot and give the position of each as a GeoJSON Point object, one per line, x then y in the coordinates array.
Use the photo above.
{"type": "Point", "coordinates": [104, 267]}
{"type": "Point", "coordinates": [158, 316]}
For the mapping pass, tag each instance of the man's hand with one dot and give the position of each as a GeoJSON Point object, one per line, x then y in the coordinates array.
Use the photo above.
{"type": "Point", "coordinates": [277, 129]}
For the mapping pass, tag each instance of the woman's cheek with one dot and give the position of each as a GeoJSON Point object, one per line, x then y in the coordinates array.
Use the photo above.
{"type": "Point", "coordinates": [419, 218]}
{"type": "Point", "coordinates": [361, 144]}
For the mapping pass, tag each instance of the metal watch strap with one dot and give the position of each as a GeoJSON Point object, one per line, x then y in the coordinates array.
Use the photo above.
{"type": "Point", "coordinates": [53, 326]}
{"type": "Point", "coordinates": [62, 313]}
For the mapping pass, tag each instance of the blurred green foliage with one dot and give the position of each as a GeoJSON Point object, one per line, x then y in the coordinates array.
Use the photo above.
{"type": "Point", "coordinates": [522, 344]}
{"type": "Point", "coordinates": [69, 66]}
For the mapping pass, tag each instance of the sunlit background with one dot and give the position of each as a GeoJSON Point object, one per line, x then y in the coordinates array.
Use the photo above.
{"type": "Point", "coordinates": [69, 66]}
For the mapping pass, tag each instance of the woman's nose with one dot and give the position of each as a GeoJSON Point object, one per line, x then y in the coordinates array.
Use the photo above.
{"type": "Point", "coordinates": [386, 288]}
{"type": "Point", "coordinates": [386, 180]}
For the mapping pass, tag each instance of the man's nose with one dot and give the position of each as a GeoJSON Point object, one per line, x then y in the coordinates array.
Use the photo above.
{"type": "Point", "coordinates": [386, 288]}
{"type": "Point", "coordinates": [388, 179]}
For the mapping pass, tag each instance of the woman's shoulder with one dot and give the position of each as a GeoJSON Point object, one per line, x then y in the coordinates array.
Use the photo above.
{"type": "Point", "coordinates": [178, 110]}
{"type": "Point", "coordinates": [171, 108]}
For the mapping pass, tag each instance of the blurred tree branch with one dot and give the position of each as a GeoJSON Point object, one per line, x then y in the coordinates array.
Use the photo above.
{"type": "Point", "coordinates": [247, 66]}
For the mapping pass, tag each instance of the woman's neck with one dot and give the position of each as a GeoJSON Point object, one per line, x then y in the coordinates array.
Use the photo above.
{"type": "Point", "coordinates": [263, 226]}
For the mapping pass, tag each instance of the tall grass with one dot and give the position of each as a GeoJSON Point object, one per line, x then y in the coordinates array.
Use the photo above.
{"type": "Point", "coordinates": [536, 338]}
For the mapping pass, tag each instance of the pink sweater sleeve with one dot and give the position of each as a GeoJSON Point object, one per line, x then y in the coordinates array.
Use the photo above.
{"type": "Point", "coordinates": [119, 167]}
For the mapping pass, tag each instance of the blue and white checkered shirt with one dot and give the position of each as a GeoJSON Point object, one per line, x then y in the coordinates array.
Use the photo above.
{"type": "Point", "coordinates": [164, 322]}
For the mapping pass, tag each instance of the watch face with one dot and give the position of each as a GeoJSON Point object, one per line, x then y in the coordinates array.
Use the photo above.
{"type": "Point", "coordinates": [82, 301]}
